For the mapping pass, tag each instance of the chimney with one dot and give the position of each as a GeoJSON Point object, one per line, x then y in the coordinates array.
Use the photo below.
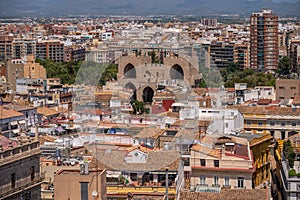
{"type": "Point", "coordinates": [36, 138]}
{"type": "Point", "coordinates": [10, 145]}
{"type": "Point", "coordinates": [223, 150]}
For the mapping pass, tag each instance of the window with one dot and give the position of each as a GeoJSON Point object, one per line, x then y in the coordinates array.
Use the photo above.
{"type": "Point", "coordinates": [84, 190]}
{"type": "Point", "coordinates": [294, 124]}
{"type": "Point", "coordinates": [202, 180]}
{"type": "Point", "coordinates": [248, 123]}
{"type": "Point", "coordinates": [282, 135]}
{"type": "Point", "coordinates": [133, 176]}
{"type": "Point", "coordinates": [216, 163]}
{"type": "Point", "coordinates": [203, 163]}
{"type": "Point", "coordinates": [13, 180]}
{"type": "Point", "coordinates": [272, 123]}
{"type": "Point", "coordinates": [226, 181]}
{"type": "Point", "coordinates": [293, 88]}
{"type": "Point", "coordinates": [259, 123]}
{"type": "Point", "coordinates": [32, 173]}
{"type": "Point", "coordinates": [216, 180]}
{"type": "Point", "coordinates": [282, 124]}
{"type": "Point", "coordinates": [240, 182]}
{"type": "Point", "coordinates": [281, 88]}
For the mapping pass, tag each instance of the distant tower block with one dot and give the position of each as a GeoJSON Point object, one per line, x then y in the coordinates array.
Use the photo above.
{"type": "Point", "coordinates": [264, 40]}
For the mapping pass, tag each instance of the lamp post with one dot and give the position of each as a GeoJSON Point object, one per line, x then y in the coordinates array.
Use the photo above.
{"type": "Point", "coordinates": [167, 183]}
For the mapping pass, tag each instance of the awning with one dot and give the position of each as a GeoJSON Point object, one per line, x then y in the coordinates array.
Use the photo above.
{"type": "Point", "coordinates": [15, 131]}
{"type": "Point", "coordinates": [14, 123]}
{"type": "Point", "coordinates": [60, 129]}
{"type": "Point", "coordinates": [178, 104]}
{"type": "Point", "coordinates": [22, 122]}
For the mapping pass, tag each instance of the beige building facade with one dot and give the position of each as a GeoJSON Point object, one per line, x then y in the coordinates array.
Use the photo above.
{"type": "Point", "coordinates": [24, 68]}
{"type": "Point", "coordinates": [73, 185]}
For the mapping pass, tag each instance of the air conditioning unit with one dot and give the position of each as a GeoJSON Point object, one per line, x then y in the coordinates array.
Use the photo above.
{"type": "Point", "coordinates": [84, 169]}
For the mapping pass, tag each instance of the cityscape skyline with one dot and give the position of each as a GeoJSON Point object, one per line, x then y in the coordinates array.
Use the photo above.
{"type": "Point", "coordinates": [131, 105]}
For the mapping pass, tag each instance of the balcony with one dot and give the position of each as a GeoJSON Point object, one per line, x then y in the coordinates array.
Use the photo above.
{"type": "Point", "coordinates": [20, 185]}
{"type": "Point", "coordinates": [138, 189]}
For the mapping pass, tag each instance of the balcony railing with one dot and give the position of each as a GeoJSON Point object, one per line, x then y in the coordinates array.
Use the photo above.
{"type": "Point", "coordinates": [141, 189]}
{"type": "Point", "coordinates": [20, 185]}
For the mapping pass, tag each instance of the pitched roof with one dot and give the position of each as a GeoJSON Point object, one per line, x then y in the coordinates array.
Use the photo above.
{"type": "Point", "coordinates": [227, 194]}
{"type": "Point", "coordinates": [149, 132]}
{"type": "Point", "coordinates": [264, 101]}
{"type": "Point", "coordinates": [46, 111]}
{"type": "Point", "coordinates": [206, 150]}
{"type": "Point", "coordinates": [5, 142]}
{"type": "Point", "coordinates": [268, 110]}
{"type": "Point", "coordinates": [156, 160]}
{"type": "Point", "coordinates": [8, 113]}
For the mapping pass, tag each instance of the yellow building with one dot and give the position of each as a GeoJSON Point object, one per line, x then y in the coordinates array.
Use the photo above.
{"type": "Point", "coordinates": [260, 147]}
{"type": "Point", "coordinates": [24, 68]}
{"type": "Point", "coordinates": [280, 122]}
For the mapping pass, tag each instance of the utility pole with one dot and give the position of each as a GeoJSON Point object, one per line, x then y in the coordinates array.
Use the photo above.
{"type": "Point", "coordinates": [167, 184]}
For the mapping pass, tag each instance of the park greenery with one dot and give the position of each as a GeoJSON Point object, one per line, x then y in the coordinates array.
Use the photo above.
{"type": "Point", "coordinates": [215, 77]}
{"type": "Point", "coordinates": [82, 72]}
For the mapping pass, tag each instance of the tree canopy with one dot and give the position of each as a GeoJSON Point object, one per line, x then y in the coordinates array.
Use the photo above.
{"type": "Point", "coordinates": [82, 72]}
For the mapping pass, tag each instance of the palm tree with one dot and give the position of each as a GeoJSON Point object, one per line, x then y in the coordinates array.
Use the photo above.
{"type": "Point", "coordinates": [138, 107]}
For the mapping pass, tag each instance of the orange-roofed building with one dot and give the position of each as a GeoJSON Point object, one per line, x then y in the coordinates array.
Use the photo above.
{"type": "Point", "coordinates": [221, 162]}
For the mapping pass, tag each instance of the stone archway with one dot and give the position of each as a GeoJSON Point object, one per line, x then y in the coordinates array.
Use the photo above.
{"type": "Point", "coordinates": [129, 71]}
{"type": "Point", "coordinates": [176, 72]}
{"type": "Point", "coordinates": [131, 86]}
{"type": "Point", "coordinates": [148, 94]}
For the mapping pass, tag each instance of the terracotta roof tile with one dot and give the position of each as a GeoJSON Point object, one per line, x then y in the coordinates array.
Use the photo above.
{"type": "Point", "coordinates": [227, 194]}
{"type": "Point", "coordinates": [8, 113]}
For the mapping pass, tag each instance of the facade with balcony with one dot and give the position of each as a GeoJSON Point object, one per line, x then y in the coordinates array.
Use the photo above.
{"type": "Point", "coordinates": [224, 162]}
{"type": "Point", "coordinates": [290, 184]}
{"type": "Point", "coordinates": [280, 122]}
{"type": "Point", "coordinates": [15, 183]}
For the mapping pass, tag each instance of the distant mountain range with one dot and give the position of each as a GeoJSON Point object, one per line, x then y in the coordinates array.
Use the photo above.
{"type": "Point", "coordinates": [60, 8]}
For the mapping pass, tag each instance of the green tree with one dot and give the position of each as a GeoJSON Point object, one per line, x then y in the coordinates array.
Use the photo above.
{"type": "Point", "coordinates": [289, 153]}
{"type": "Point", "coordinates": [284, 66]}
{"type": "Point", "coordinates": [138, 107]}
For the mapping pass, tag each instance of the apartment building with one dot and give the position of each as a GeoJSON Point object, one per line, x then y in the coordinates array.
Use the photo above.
{"type": "Point", "coordinates": [101, 54]}
{"type": "Point", "coordinates": [74, 53]}
{"type": "Point", "coordinates": [295, 55]}
{"type": "Point", "coordinates": [221, 54]}
{"type": "Point", "coordinates": [264, 40]}
{"type": "Point", "coordinates": [50, 49]}
{"type": "Point", "coordinates": [22, 47]}
{"type": "Point", "coordinates": [241, 55]}
{"type": "Point", "coordinates": [209, 22]}
{"type": "Point", "coordinates": [6, 47]}
{"type": "Point", "coordinates": [280, 122]}
{"type": "Point", "coordinates": [260, 147]}
{"type": "Point", "coordinates": [221, 162]}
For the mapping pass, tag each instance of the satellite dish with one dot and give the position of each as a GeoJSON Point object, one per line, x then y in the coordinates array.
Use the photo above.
{"type": "Point", "coordinates": [94, 193]}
